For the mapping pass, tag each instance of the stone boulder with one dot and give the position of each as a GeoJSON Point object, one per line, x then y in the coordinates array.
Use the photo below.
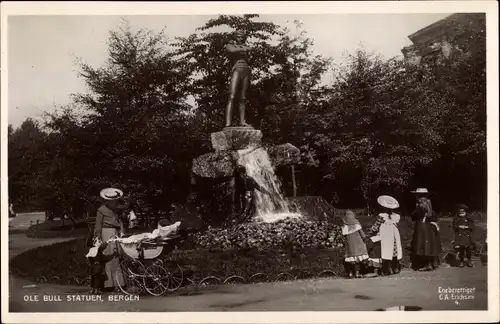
{"type": "Point", "coordinates": [236, 138]}
{"type": "Point", "coordinates": [221, 164]}
{"type": "Point", "coordinates": [215, 164]}
{"type": "Point", "coordinates": [314, 208]}
{"type": "Point", "coordinates": [284, 154]}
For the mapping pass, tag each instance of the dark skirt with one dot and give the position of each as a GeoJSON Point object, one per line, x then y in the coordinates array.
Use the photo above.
{"type": "Point", "coordinates": [374, 254]}
{"type": "Point", "coordinates": [426, 240]}
{"type": "Point", "coordinates": [463, 237]}
{"type": "Point", "coordinates": [355, 246]}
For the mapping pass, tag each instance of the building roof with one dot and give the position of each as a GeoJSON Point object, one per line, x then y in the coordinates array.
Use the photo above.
{"type": "Point", "coordinates": [425, 34]}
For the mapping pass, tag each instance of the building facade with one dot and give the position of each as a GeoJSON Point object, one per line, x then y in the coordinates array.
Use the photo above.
{"type": "Point", "coordinates": [456, 32]}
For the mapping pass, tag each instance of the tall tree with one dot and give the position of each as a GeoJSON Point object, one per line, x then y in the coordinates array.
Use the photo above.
{"type": "Point", "coordinates": [26, 163]}
{"type": "Point", "coordinates": [135, 132]}
{"type": "Point", "coordinates": [376, 127]}
{"type": "Point", "coordinates": [459, 80]}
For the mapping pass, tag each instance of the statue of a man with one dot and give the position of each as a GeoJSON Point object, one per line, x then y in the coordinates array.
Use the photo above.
{"type": "Point", "coordinates": [240, 78]}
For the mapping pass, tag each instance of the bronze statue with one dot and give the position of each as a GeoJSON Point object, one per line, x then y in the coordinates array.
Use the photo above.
{"type": "Point", "coordinates": [240, 78]}
{"type": "Point", "coordinates": [246, 188]}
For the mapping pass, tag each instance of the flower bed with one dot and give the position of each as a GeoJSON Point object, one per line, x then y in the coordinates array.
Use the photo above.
{"type": "Point", "coordinates": [285, 234]}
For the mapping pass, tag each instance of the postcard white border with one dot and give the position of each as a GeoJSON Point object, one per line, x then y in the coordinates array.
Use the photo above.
{"type": "Point", "coordinates": [305, 7]}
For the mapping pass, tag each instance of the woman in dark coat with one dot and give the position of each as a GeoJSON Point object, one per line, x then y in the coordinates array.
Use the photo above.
{"type": "Point", "coordinates": [107, 225]}
{"type": "Point", "coordinates": [426, 243]}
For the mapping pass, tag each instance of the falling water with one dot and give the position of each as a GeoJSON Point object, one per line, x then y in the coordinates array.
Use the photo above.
{"type": "Point", "coordinates": [272, 206]}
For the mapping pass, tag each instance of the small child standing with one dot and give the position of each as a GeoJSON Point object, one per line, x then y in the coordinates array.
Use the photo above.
{"type": "Point", "coordinates": [97, 263]}
{"type": "Point", "coordinates": [355, 251]}
{"type": "Point", "coordinates": [463, 226]}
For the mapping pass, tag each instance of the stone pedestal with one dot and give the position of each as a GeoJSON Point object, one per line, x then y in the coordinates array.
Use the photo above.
{"type": "Point", "coordinates": [214, 196]}
{"type": "Point", "coordinates": [236, 138]}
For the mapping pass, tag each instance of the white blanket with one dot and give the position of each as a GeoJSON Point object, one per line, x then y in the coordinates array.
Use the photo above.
{"type": "Point", "coordinates": [163, 232]}
{"type": "Point", "coordinates": [160, 232]}
{"type": "Point", "coordinates": [93, 250]}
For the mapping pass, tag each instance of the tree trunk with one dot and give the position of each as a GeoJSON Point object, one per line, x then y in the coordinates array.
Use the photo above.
{"type": "Point", "coordinates": [294, 183]}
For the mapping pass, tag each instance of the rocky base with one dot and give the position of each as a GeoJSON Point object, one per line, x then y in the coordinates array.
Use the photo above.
{"type": "Point", "coordinates": [215, 171]}
{"type": "Point", "coordinates": [215, 165]}
{"type": "Point", "coordinates": [214, 197]}
{"type": "Point", "coordinates": [223, 163]}
{"type": "Point", "coordinates": [236, 138]}
{"type": "Point", "coordinates": [284, 154]}
{"type": "Point", "coordinates": [313, 208]}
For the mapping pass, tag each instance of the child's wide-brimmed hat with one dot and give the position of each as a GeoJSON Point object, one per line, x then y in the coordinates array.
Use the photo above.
{"type": "Point", "coordinates": [421, 191]}
{"type": "Point", "coordinates": [388, 202]}
{"type": "Point", "coordinates": [111, 194]}
{"type": "Point", "coordinates": [349, 218]}
{"type": "Point", "coordinates": [462, 206]}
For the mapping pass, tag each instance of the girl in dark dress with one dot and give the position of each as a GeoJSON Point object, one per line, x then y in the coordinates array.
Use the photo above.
{"type": "Point", "coordinates": [463, 226]}
{"type": "Point", "coordinates": [355, 252]}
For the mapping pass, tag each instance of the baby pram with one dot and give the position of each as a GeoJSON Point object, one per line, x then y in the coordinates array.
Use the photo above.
{"type": "Point", "coordinates": [141, 266]}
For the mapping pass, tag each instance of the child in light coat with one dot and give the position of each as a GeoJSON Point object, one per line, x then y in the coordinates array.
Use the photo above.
{"type": "Point", "coordinates": [387, 250]}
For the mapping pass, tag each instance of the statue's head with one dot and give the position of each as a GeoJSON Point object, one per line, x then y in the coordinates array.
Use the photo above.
{"type": "Point", "coordinates": [241, 171]}
{"type": "Point", "coordinates": [241, 36]}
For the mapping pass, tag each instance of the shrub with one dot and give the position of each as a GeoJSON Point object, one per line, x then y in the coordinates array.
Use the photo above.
{"type": "Point", "coordinates": [285, 234]}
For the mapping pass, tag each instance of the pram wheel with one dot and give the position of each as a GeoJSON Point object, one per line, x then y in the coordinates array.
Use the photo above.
{"type": "Point", "coordinates": [175, 274]}
{"type": "Point", "coordinates": [156, 280]}
{"type": "Point", "coordinates": [133, 274]}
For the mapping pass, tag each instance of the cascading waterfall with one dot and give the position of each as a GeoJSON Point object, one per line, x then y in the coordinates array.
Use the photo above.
{"type": "Point", "coordinates": [270, 206]}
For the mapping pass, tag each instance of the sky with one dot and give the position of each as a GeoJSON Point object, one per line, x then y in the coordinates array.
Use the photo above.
{"type": "Point", "coordinates": [42, 50]}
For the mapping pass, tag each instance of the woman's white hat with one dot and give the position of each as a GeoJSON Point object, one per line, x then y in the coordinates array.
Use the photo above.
{"type": "Point", "coordinates": [421, 191]}
{"type": "Point", "coordinates": [388, 202]}
{"type": "Point", "coordinates": [111, 194]}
